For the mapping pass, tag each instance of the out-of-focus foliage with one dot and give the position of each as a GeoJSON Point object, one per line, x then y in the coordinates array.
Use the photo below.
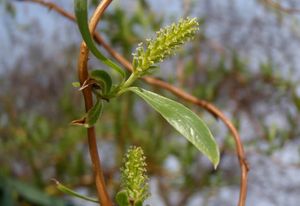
{"type": "Point", "coordinates": [37, 101]}
{"type": "Point", "coordinates": [14, 192]}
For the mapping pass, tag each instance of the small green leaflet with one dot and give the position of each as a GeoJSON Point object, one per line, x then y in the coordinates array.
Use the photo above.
{"type": "Point", "coordinates": [139, 203]}
{"type": "Point", "coordinates": [91, 117]}
{"type": "Point", "coordinates": [122, 198]}
{"type": "Point", "coordinates": [94, 113]}
{"type": "Point", "coordinates": [103, 78]}
{"type": "Point", "coordinates": [184, 121]}
{"type": "Point", "coordinates": [82, 21]}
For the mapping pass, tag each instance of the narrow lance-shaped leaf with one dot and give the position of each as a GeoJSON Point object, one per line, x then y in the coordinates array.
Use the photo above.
{"type": "Point", "coordinates": [82, 21]}
{"type": "Point", "coordinates": [94, 113]}
{"type": "Point", "coordinates": [184, 121]}
{"type": "Point", "coordinates": [69, 191]}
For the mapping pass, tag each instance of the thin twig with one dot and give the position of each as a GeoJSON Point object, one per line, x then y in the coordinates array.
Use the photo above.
{"type": "Point", "coordinates": [279, 7]}
{"type": "Point", "coordinates": [178, 92]}
{"type": "Point", "coordinates": [51, 5]}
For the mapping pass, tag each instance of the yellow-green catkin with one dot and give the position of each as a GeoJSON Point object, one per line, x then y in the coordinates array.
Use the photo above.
{"type": "Point", "coordinates": [133, 175]}
{"type": "Point", "coordinates": [167, 41]}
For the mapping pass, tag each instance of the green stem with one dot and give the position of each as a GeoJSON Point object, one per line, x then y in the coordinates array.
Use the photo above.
{"type": "Point", "coordinates": [130, 80]}
{"type": "Point", "coordinates": [127, 83]}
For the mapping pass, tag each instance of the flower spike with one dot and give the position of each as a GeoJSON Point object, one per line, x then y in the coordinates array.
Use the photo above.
{"type": "Point", "coordinates": [167, 41]}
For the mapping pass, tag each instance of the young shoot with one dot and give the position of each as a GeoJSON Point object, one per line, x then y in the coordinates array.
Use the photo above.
{"type": "Point", "coordinates": [168, 40]}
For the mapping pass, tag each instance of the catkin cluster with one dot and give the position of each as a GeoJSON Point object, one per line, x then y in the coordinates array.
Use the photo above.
{"type": "Point", "coordinates": [167, 41]}
{"type": "Point", "coordinates": [133, 175]}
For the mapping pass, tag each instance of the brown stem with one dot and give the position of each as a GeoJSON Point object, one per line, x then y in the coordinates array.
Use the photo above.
{"type": "Point", "coordinates": [153, 81]}
{"type": "Point", "coordinates": [88, 99]}
{"type": "Point", "coordinates": [87, 93]}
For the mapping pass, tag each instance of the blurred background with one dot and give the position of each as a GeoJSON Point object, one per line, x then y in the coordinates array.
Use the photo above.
{"type": "Point", "coordinates": [245, 60]}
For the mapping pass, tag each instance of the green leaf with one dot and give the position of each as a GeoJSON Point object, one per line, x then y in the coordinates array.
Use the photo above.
{"type": "Point", "coordinates": [94, 114]}
{"type": "Point", "coordinates": [103, 78]}
{"type": "Point", "coordinates": [184, 121]}
{"type": "Point", "coordinates": [122, 198]}
{"type": "Point", "coordinates": [91, 117]}
{"type": "Point", "coordinates": [82, 21]}
{"type": "Point", "coordinates": [69, 191]}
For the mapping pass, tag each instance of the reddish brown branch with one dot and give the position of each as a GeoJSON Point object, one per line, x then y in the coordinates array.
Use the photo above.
{"type": "Point", "coordinates": [153, 81]}
{"type": "Point", "coordinates": [279, 7]}
{"type": "Point", "coordinates": [88, 99]}
{"type": "Point", "coordinates": [53, 6]}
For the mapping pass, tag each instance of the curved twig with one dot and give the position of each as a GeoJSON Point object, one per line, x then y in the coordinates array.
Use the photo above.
{"type": "Point", "coordinates": [176, 91]}
{"type": "Point", "coordinates": [88, 99]}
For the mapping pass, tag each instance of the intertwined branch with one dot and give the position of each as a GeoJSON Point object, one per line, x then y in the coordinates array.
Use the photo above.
{"type": "Point", "coordinates": [82, 68]}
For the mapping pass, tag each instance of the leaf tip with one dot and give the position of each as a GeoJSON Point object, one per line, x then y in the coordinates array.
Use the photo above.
{"type": "Point", "coordinates": [216, 164]}
{"type": "Point", "coordinates": [55, 181]}
{"type": "Point", "coordinates": [215, 159]}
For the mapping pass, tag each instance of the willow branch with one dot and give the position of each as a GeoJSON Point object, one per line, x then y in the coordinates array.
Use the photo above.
{"type": "Point", "coordinates": [88, 99]}
{"type": "Point", "coordinates": [156, 82]}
